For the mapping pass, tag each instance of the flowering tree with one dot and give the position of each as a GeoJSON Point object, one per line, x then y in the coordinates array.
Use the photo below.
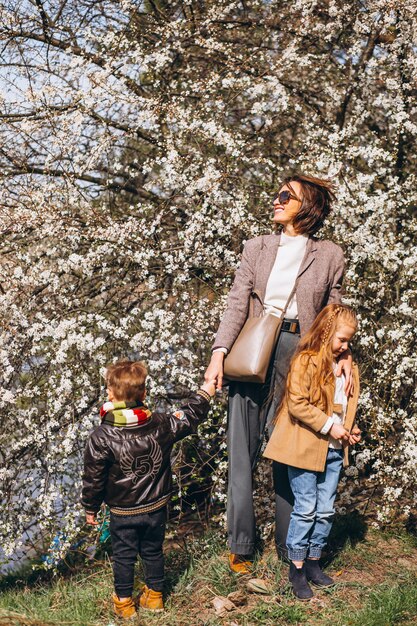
{"type": "Point", "coordinates": [140, 145]}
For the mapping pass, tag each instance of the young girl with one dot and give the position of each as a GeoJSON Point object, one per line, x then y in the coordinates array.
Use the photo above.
{"type": "Point", "coordinates": [314, 427]}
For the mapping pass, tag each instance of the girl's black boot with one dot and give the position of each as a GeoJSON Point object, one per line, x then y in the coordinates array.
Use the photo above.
{"type": "Point", "coordinates": [298, 580]}
{"type": "Point", "coordinates": [315, 574]}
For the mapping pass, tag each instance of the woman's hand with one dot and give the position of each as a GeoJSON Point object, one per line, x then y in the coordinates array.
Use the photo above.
{"type": "Point", "coordinates": [355, 436]}
{"type": "Point", "coordinates": [215, 369]}
{"type": "Point", "coordinates": [338, 432]}
{"type": "Point", "coordinates": [344, 365]}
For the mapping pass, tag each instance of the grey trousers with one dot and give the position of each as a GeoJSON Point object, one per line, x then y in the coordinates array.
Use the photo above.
{"type": "Point", "coordinates": [251, 409]}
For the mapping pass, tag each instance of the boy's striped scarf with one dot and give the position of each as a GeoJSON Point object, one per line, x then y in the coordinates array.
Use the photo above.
{"type": "Point", "coordinates": [127, 414]}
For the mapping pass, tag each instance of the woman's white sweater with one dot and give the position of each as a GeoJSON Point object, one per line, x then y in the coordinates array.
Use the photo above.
{"type": "Point", "coordinates": [290, 254]}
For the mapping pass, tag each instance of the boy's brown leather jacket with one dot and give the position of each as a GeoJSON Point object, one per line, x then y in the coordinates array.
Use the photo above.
{"type": "Point", "coordinates": [129, 468]}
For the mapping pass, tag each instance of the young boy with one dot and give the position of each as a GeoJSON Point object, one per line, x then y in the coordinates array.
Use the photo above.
{"type": "Point", "coordinates": [127, 465]}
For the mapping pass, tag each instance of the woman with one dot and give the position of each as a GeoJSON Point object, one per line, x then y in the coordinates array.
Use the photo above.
{"type": "Point", "coordinates": [271, 265]}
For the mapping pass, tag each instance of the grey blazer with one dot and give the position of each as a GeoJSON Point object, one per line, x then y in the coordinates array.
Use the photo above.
{"type": "Point", "coordinates": [319, 283]}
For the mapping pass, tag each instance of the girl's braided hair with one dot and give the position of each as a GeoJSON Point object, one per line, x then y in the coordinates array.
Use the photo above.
{"type": "Point", "coordinates": [329, 324]}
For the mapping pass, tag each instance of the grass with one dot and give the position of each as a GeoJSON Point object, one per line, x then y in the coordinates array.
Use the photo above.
{"type": "Point", "coordinates": [389, 605]}
{"type": "Point", "coordinates": [275, 613]}
{"type": "Point", "coordinates": [376, 577]}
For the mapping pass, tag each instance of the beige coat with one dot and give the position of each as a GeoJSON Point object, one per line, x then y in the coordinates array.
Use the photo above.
{"type": "Point", "coordinates": [296, 439]}
{"type": "Point", "coordinates": [319, 283]}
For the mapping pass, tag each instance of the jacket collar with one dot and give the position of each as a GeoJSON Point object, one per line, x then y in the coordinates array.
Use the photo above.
{"type": "Point", "coordinates": [314, 359]}
{"type": "Point", "coordinates": [272, 243]}
{"type": "Point", "coordinates": [309, 256]}
{"type": "Point", "coordinates": [266, 261]}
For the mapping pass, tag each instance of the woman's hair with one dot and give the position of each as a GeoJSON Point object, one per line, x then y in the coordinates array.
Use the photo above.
{"type": "Point", "coordinates": [318, 195]}
{"type": "Point", "coordinates": [318, 341]}
{"type": "Point", "coordinates": [127, 379]}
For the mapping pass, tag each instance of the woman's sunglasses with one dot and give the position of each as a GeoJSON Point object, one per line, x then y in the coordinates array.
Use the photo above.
{"type": "Point", "coordinates": [285, 196]}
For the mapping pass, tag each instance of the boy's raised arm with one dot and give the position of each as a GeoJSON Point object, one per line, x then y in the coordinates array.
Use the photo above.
{"type": "Point", "coordinates": [186, 420]}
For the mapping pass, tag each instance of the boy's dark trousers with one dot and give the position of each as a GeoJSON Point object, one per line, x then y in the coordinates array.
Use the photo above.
{"type": "Point", "coordinates": [138, 534]}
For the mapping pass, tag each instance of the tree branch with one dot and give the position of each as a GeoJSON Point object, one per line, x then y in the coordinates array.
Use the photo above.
{"type": "Point", "coordinates": [96, 180]}
{"type": "Point", "coordinates": [366, 55]}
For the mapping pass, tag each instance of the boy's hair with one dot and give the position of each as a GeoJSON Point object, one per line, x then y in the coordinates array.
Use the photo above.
{"type": "Point", "coordinates": [318, 341]}
{"type": "Point", "coordinates": [127, 379]}
{"type": "Point", "coordinates": [318, 195]}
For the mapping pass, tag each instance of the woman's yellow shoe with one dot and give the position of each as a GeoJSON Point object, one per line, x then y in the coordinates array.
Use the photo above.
{"type": "Point", "coordinates": [239, 564]}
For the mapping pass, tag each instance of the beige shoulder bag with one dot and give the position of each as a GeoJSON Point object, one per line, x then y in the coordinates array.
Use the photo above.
{"type": "Point", "coordinates": [251, 353]}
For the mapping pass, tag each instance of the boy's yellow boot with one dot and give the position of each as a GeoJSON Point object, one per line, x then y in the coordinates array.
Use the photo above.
{"type": "Point", "coordinates": [151, 600]}
{"type": "Point", "coordinates": [124, 608]}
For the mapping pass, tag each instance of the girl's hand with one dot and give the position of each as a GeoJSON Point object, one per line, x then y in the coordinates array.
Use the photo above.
{"type": "Point", "coordinates": [90, 518]}
{"type": "Point", "coordinates": [215, 369]}
{"type": "Point", "coordinates": [344, 365]}
{"type": "Point", "coordinates": [355, 436]}
{"type": "Point", "coordinates": [338, 432]}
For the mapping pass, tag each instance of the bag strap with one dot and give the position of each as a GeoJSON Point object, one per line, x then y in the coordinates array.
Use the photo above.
{"type": "Point", "coordinates": [255, 294]}
{"type": "Point", "coordinates": [290, 297]}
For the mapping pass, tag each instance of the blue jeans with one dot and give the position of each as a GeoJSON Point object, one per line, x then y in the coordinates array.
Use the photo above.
{"type": "Point", "coordinates": [312, 517]}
